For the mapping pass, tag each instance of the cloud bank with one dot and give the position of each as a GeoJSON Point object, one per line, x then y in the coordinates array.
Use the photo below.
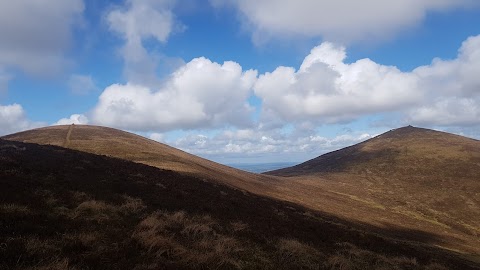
{"type": "Point", "coordinates": [35, 34]}
{"type": "Point", "coordinates": [13, 119]}
{"type": "Point", "coordinates": [248, 145]}
{"type": "Point", "coordinates": [201, 94]}
{"type": "Point", "coordinates": [341, 21]}
{"type": "Point", "coordinates": [326, 89]}
{"type": "Point", "coordinates": [135, 22]}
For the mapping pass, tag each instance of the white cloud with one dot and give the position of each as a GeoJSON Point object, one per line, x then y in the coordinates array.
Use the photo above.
{"type": "Point", "coordinates": [77, 119]}
{"type": "Point", "coordinates": [455, 77]}
{"type": "Point", "coordinates": [4, 79]}
{"type": "Point", "coordinates": [81, 84]}
{"type": "Point", "coordinates": [341, 20]}
{"type": "Point", "coordinates": [199, 94]}
{"type": "Point", "coordinates": [273, 144]}
{"type": "Point", "coordinates": [159, 137]}
{"type": "Point", "coordinates": [35, 34]}
{"type": "Point", "coordinates": [326, 89]}
{"type": "Point", "coordinates": [143, 19]}
{"type": "Point", "coordinates": [136, 21]}
{"type": "Point", "coordinates": [448, 111]}
{"type": "Point", "coordinates": [14, 119]}
{"type": "Point", "coordinates": [453, 88]}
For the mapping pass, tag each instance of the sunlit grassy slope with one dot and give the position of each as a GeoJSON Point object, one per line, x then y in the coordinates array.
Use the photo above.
{"type": "Point", "coordinates": [124, 145]}
{"type": "Point", "coordinates": [408, 181]}
{"type": "Point", "coordinates": [66, 209]}
{"type": "Point", "coordinates": [410, 177]}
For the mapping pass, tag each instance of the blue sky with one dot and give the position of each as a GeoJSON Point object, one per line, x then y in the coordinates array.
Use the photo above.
{"type": "Point", "coordinates": [242, 81]}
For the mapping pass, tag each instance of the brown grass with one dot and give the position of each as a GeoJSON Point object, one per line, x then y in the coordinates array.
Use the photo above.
{"type": "Point", "coordinates": [85, 238]}
{"type": "Point", "coordinates": [99, 216]}
{"type": "Point", "coordinates": [132, 205]}
{"type": "Point", "coordinates": [349, 257]}
{"type": "Point", "coordinates": [416, 169]}
{"type": "Point", "coordinates": [95, 211]}
{"type": "Point", "coordinates": [40, 247]}
{"type": "Point", "coordinates": [124, 145]}
{"type": "Point", "coordinates": [192, 240]}
{"type": "Point", "coordinates": [238, 226]}
{"type": "Point", "coordinates": [58, 264]}
{"type": "Point", "coordinates": [13, 208]}
{"type": "Point", "coordinates": [295, 254]}
{"type": "Point", "coordinates": [100, 211]}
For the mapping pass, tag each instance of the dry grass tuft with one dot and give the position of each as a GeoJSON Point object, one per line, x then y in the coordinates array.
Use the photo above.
{"type": "Point", "coordinates": [238, 226]}
{"type": "Point", "coordinates": [80, 196]}
{"type": "Point", "coordinates": [190, 240]}
{"type": "Point", "coordinates": [349, 257]}
{"type": "Point", "coordinates": [59, 264]}
{"type": "Point", "coordinates": [294, 254]}
{"type": "Point", "coordinates": [101, 211]}
{"type": "Point", "coordinates": [132, 205]}
{"type": "Point", "coordinates": [40, 247]}
{"type": "Point", "coordinates": [95, 211]}
{"type": "Point", "coordinates": [85, 238]}
{"type": "Point", "coordinates": [435, 266]}
{"type": "Point", "coordinates": [14, 209]}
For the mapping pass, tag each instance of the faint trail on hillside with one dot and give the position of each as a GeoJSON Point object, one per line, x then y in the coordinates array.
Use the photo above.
{"type": "Point", "coordinates": [67, 139]}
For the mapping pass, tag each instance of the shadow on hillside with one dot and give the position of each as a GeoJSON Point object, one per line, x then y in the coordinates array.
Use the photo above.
{"type": "Point", "coordinates": [338, 161]}
{"type": "Point", "coordinates": [95, 211]}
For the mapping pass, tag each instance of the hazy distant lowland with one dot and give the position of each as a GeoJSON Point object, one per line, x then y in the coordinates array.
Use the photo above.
{"type": "Point", "coordinates": [261, 167]}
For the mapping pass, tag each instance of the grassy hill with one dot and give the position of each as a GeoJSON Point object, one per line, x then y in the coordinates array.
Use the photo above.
{"type": "Point", "coordinates": [404, 151]}
{"type": "Point", "coordinates": [410, 177]}
{"type": "Point", "coordinates": [418, 186]}
{"type": "Point", "coordinates": [124, 145]}
{"type": "Point", "coordinates": [66, 209]}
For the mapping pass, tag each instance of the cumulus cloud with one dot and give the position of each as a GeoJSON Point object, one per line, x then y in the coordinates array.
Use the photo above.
{"type": "Point", "coordinates": [341, 20]}
{"type": "Point", "coordinates": [13, 119]}
{"type": "Point", "coordinates": [458, 76]}
{"type": "Point", "coordinates": [35, 34]}
{"type": "Point", "coordinates": [136, 21]}
{"type": "Point", "coordinates": [326, 89]}
{"type": "Point", "coordinates": [453, 89]}
{"type": "Point", "coordinates": [273, 144]}
{"type": "Point", "coordinates": [81, 84]}
{"type": "Point", "coordinates": [77, 119]}
{"type": "Point", "coordinates": [448, 111]}
{"type": "Point", "coordinates": [199, 94]}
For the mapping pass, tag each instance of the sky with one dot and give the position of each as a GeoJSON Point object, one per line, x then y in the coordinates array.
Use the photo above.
{"type": "Point", "coordinates": [242, 81]}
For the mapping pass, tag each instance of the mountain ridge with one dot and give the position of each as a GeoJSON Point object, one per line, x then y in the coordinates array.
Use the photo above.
{"type": "Point", "coordinates": [87, 211]}
{"type": "Point", "coordinates": [130, 146]}
{"type": "Point", "coordinates": [392, 180]}
{"type": "Point", "coordinates": [389, 149]}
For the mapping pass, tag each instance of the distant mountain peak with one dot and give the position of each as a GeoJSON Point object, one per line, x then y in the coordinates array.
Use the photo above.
{"type": "Point", "coordinates": [422, 151]}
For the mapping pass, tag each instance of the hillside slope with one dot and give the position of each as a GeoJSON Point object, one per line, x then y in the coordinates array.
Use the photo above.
{"type": "Point", "coordinates": [409, 181]}
{"type": "Point", "coordinates": [65, 209]}
{"type": "Point", "coordinates": [411, 177]}
{"type": "Point", "coordinates": [124, 145]}
{"type": "Point", "coordinates": [403, 151]}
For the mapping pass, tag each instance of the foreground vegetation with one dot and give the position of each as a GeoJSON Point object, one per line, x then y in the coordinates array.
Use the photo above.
{"type": "Point", "coordinates": [64, 209]}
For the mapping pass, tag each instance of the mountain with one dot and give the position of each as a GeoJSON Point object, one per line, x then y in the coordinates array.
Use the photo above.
{"type": "Point", "coordinates": [67, 209]}
{"type": "Point", "coordinates": [403, 151]}
{"type": "Point", "coordinates": [409, 177]}
{"type": "Point", "coordinates": [411, 184]}
{"type": "Point", "coordinates": [124, 145]}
